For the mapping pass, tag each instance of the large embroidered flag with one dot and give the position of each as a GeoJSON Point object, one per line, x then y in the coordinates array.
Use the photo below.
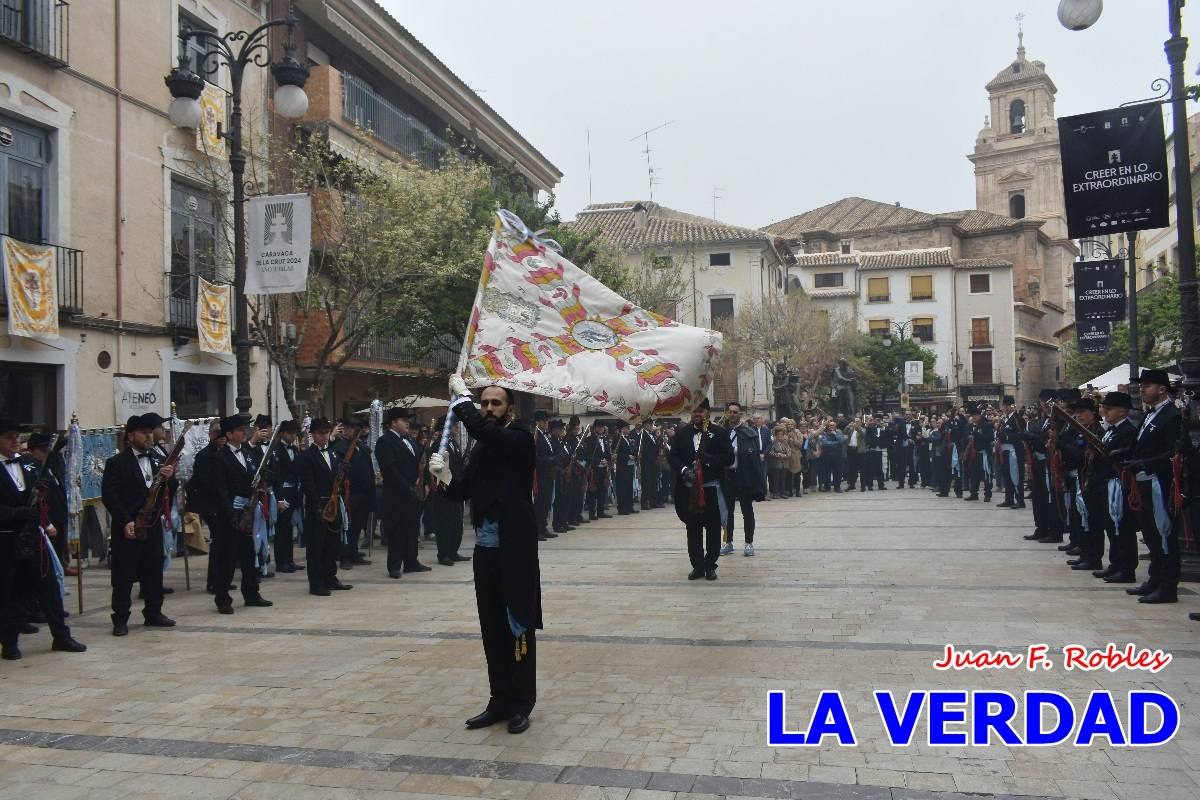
{"type": "Point", "coordinates": [214, 317]}
{"type": "Point", "coordinates": [31, 289]}
{"type": "Point", "coordinates": [542, 325]}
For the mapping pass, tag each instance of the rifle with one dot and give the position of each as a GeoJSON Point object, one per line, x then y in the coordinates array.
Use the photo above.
{"type": "Point", "coordinates": [27, 539]}
{"type": "Point", "coordinates": [330, 512]}
{"type": "Point", "coordinates": [696, 499]}
{"type": "Point", "coordinates": [1181, 473]}
{"type": "Point", "coordinates": [246, 523]}
{"type": "Point", "coordinates": [147, 518]}
{"type": "Point", "coordinates": [1091, 439]}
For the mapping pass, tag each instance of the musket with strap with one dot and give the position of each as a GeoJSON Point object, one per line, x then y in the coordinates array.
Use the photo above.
{"type": "Point", "coordinates": [246, 522]}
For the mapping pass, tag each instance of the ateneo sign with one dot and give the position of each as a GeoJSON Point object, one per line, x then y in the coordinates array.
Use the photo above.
{"type": "Point", "coordinates": [1115, 170]}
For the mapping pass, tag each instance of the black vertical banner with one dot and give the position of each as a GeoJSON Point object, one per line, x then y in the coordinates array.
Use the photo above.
{"type": "Point", "coordinates": [1100, 290]}
{"type": "Point", "coordinates": [1094, 337]}
{"type": "Point", "coordinates": [1115, 170]}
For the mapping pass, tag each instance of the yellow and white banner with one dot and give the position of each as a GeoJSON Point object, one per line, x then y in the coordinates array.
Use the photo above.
{"type": "Point", "coordinates": [212, 119]}
{"type": "Point", "coordinates": [214, 317]}
{"type": "Point", "coordinates": [31, 289]}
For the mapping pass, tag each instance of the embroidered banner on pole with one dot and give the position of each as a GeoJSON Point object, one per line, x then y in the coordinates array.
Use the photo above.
{"type": "Point", "coordinates": [279, 240]}
{"type": "Point", "coordinates": [31, 289]}
{"type": "Point", "coordinates": [214, 317]}
{"type": "Point", "coordinates": [542, 325]}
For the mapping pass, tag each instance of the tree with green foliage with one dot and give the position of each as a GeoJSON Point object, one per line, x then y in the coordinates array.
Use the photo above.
{"type": "Point", "coordinates": [879, 361]}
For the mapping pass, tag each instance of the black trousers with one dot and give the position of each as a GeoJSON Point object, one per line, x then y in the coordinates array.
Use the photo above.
{"type": "Point", "coordinates": [598, 497]}
{"type": "Point", "coordinates": [1163, 572]}
{"type": "Point", "coordinates": [1098, 525]}
{"type": "Point", "coordinates": [900, 466]}
{"type": "Point", "coordinates": [360, 514]}
{"type": "Point", "coordinates": [744, 498]}
{"type": "Point", "coordinates": [322, 543]}
{"type": "Point", "coordinates": [132, 561]}
{"type": "Point", "coordinates": [924, 463]}
{"type": "Point", "coordinates": [236, 550]}
{"type": "Point", "coordinates": [24, 580]}
{"type": "Point", "coordinates": [400, 531]}
{"type": "Point", "coordinates": [284, 534]}
{"type": "Point", "coordinates": [649, 480]}
{"type": "Point", "coordinates": [704, 532]}
{"type": "Point", "coordinates": [513, 684]}
{"type": "Point", "coordinates": [1045, 518]}
{"type": "Point", "coordinates": [448, 524]}
{"type": "Point", "coordinates": [854, 467]}
{"type": "Point", "coordinates": [1013, 492]}
{"type": "Point", "coordinates": [564, 502]}
{"type": "Point", "coordinates": [214, 551]}
{"type": "Point", "coordinates": [873, 468]}
{"type": "Point", "coordinates": [545, 496]}
{"type": "Point", "coordinates": [1122, 543]}
{"type": "Point", "coordinates": [623, 489]}
{"type": "Point", "coordinates": [976, 477]}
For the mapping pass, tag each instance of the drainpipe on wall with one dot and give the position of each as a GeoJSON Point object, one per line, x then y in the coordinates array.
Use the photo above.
{"type": "Point", "coordinates": [118, 186]}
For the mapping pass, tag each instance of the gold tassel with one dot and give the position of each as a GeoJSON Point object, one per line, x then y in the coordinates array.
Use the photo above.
{"type": "Point", "coordinates": [516, 650]}
{"type": "Point", "coordinates": [524, 646]}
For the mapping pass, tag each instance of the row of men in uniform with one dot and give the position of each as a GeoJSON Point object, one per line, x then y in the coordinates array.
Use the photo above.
{"type": "Point", "coordinates": [1111, 474]}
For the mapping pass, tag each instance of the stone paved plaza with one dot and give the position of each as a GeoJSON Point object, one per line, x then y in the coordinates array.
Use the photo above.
{"type": "Point", "coordinates": [650, 686]}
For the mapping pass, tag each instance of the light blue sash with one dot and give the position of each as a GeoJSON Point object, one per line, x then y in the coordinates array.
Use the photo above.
{"type": "Point", "coordinates": [1010, 450]}
{"type": "Point", "coordinates": [1116, 500]}
{"type": "Point", "coordinates": [1162, 517]}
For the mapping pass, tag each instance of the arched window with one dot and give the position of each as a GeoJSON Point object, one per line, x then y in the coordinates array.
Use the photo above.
{"type": "Point", "coordinates": [1016, 206]}
{"type": "Point", "coordinates": [1016, 116]}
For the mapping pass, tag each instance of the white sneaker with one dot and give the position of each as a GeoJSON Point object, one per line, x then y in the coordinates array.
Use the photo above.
{"type": "Point", "coordinates": [727, 549]}
{"type": "Point", "coordinates": [749, 551]}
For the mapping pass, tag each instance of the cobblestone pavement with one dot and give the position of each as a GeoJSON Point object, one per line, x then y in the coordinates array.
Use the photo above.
{"type": "Point", "coordinates": [650, 685]}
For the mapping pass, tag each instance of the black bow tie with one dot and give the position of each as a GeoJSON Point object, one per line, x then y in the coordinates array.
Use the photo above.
{"type": "Point", "coordinates": [13, 460]}
{"type": "Point", "coordinates": [323, 449]}
{"type": "Point", "coordinates": [143, 455]}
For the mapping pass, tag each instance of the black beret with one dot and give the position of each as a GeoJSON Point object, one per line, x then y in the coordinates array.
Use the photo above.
{"type": "Point", "coordinates": [152, 420]}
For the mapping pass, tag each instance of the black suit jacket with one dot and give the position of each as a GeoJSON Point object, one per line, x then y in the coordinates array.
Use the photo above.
{"type": "Point", "coordinates": [1157, 440]}
{"type": "Point", "coordinates": [498, 483]}
{"type": "Point", "coordinates": [229, 480]}
{"type": "Point", "coordinates": [286, 471]}
{"type": "Point", "coordinates": [123, 489]}
{"type": "Point", "coordinates": [399, 467]}
{"type": "Point", "coordinates": [718, 454]}
{"type": "Point", "coordinates": [14, 511]}
{"type": "Point", "coordinates": [316, 478]}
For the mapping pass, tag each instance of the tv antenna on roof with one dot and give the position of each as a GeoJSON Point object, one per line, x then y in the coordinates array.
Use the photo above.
{"type": "Point", "coordinates": [645, 136]}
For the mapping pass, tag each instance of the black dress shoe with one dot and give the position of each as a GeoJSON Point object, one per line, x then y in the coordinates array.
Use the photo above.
{"type": "Point", "coordinates": [1073, 550]}
{"type": "Point", "coordinates": [518, 723]}
{"type": "Point", "coordinates": [446, 562]}
{"type": "Point", "coordinates": [418, 567]}
{"type": "Point", "coordinates": [1005, 504]}
{"type": "Point", "coordinates": [344, 587]}
{"type": "Point", "coordinates": [1104, 573]}
{"type": "Point", "coordinates": [258, 602]}
{"type": "Point", "coordinates": [158, 621]}
{"type": "Point", "coordinates": [1121, 577]}
{"type": "Point", "coordinates": [1050, 538]}
{"type": "Point", "coordinates": [540, 539]}
{"type": "Point", "coordinates": [227, 608]}
{"type": "Point", "coordinates": [168, 590]}
{"type": "Point", "coordinates": [120, 629]}
{"type": "Point", "coordinates": [549, 535]}
{"type": "Point", "coordinates": [394, 575]}
{"type": "Point", "coordinates": [1073, 561]}
{"type": "Point", "coordinates": [1018, 506]}
{"type": "Point", "coordinates": [361, 562]}
{"type": "Point", "coordinates": [604, 516]}
{"type": "Point", "coordinates": [1194, 616]}
{"type": "Point", "coordinates": [1142, 590]}
{"type": "Point", "coordinates": [1034, 536]}
{"type": "Point", "coordinates": [486, 719]}
{"type": "Point", "coordinates": [710, 575]}
{"type": "Point", "coordinates": [457, 557]}
{"type": "Point", "coordinates": [68, 645]}
{"type": "Point", "coordinates": [317, 592]}
{"type": "Point", "coordinates": [696, 574]}
{"type": "Point", "coordinates": [971, 497]}
{"type": "Point", "coordinates": [1088, 565]}
{"type": "Point", "coordinates": [27, 628]}
{"type": "Point", "coordinates": [11, 653]}
{"type": "Point", "coordinates": [286, 568]}
{"type": "Point", "coordinates": [1160, 596]}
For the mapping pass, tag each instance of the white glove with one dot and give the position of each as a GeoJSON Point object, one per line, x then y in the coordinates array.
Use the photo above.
{"type": "Point", "coordinates": [458, 387]}
{"type": "Point", "coordinates": [439, 469]}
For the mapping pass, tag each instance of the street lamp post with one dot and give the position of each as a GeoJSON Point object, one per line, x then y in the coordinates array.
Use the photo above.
{"type": "Point", "coordinates": [290, 102]}
{"type": "Point", "coordinates": [901, 329]}
{"type": "Point", "coordinates": [1080, 14]}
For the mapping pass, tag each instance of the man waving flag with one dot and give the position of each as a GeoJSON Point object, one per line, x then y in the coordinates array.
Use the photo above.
{"type": "Point", "coordinates": [542, 325]}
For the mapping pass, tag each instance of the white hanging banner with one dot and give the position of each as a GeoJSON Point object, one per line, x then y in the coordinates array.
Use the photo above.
{"type": "Point", "coordinates": [31, 289]}
{"type": "Point", "coordinates": [914, 373]}
{"type": "Point", "coordinates": [137, 396]}
{"type": "Point", "coordinates": [279, 237]}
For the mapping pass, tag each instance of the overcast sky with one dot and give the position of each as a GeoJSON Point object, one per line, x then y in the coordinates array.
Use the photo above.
{"type": "Point", "coordinates": [785, 104]}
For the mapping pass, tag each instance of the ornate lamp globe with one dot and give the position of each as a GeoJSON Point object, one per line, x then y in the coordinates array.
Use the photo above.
{"type": "Point", "coordinates": [1077, 15]}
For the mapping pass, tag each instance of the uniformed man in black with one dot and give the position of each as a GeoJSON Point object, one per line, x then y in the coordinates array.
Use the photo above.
{"type": "Point", "coordinates": [360, 500]}
{"type": "Point", "coordinates": [447, 512]}
{"type": "Point", "coordinates": [498, 483]}
{"type": "Point", "coordinates": [599, 460]}
{"type": "Point", "coordinates": [648, 451]}
{"type": "Point", "coordinates": [698, 458]}
{"type": "Point", "coordinates": [232, 476]}
{"type": "Point", "coordinates": [55, 494]}
{"type": "Point", "coordinates": [1157, 441]}
{"type": "Point", "coordinates": [399, 457]}
{"type": "Point", "coordinates": [1091, 487]}
{"type": "Point", "coordinates": [624, 464]}
{"type": "Point", "coordinates": [200, 497]}
{"type": "Point", "coordinates": [286, 484]}
{"type": "Point", "coordinates": [318, 466]}
{"type": "Point", "coordinates": [1047, 526]}
{"type": "Point", "coordinates": [561, 511]}
{"type": "Point", "coordinates": [1012, 470]}
{"type": "Point", "coordinates": [576, 477]}
{"type": "Point", "coordinates": [547, 467]}
{"type": "Point", "coordinates": [977, 441]}
{"type": "Point", "coordinates": [24, 563]}
{"type": "Point", "coordinates": [1122, 523]}
{"type": "Point", "coordinates": [136, 556]}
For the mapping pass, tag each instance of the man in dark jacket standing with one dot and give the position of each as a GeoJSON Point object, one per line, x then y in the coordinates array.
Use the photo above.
{"type": "Point", "coordinates": [318, 466]}
{"type": "Point", "coordinates": [399, 457]}
{"type": "Point", "coordinates": [547, 467]}
{"type": "Point", "coordinates": [360, 500]}
{"type": "Point", "coordinates": [498, 483]}
{"type": "Point", "coordinates": [699, 456]}
{"type": "Point", "coordinates": [745, 480]}
{"type": "Point", "coordinates": [286, 479]}
{"type": "Point", "coordinates": [648, 450]}
{"type": "Point", "coordinates": [137, 555]}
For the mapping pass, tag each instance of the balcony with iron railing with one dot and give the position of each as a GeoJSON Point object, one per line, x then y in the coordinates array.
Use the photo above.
{"type": "Point", "coordinates": [40, 28]}
{"type": "Point", "coordinates": [68, 264]}
{"type": "Point", "coordinates": [182, 290]}
{"type": "Point", "coordinates": [982, 377]}
{"type": "Point", "coordinates": [393, 350]}
{"type": "Point", "coordinates": [350, 104]}
{"type": "Point", "coordinates": [982, 338]}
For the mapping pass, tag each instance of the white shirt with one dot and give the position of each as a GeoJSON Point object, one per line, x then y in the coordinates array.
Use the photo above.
{"type": "Point", "coordinates": [237, 453]}
{"type": "Point", "coordinates": [854, 438]}
{"type": "Point", "coordinates": [1151, 416]}
{"type": "Point", "coordinates": [733, 441]}
{"type": "Point", "coordinates": [143, 461]}
{"type": "Point", "coordinates": [16, 473]}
